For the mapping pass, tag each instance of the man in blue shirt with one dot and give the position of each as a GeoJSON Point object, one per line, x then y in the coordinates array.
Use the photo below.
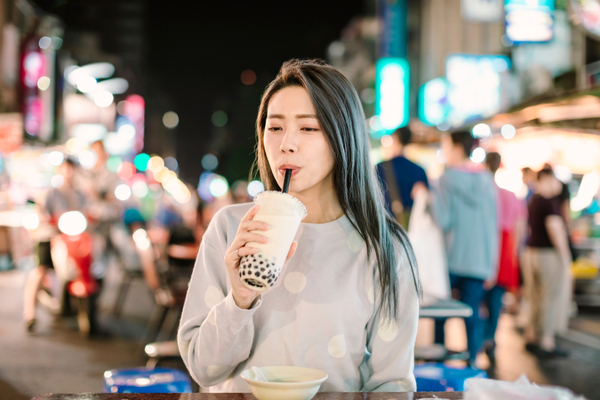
{"type": "Point", "coordinates": [399, 176]}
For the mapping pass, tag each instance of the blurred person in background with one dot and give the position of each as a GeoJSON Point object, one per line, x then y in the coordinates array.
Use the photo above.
{"type": "Point", "coordinates": [563, 201]}
{"type": "Point", "coordinates": [98, 184]}
{"type": "Point", "coordinates": [239, 190]}
{"type": "Point", "coordinates": [58, 201]}
{"type": "Point", "coordinates": [512, 224]}
{"type": "Point", "coordinates": [464, 205]}
{"type": "Point", "coordinates": [546, 268]}
{"type": "Point", "coordinates": [400, 176]}
{"type": "Point", "coordinates": [311, 121]}
{"type": "Point", "coordinates": [530, 180]}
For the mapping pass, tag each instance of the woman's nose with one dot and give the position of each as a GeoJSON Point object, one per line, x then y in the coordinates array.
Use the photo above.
{"type": "Point", "coordinates": [288, 144]}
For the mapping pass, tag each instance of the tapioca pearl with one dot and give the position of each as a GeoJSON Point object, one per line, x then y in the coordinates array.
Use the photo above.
{"type": "Point", "coordinates": [261, 263]}
{"type": "Point", "coordinates": [264, 277]}
{"type": "Point", "coordinates": [260, 256]}
{"type": "Point", "coordinates": [257, 274]}
{"type": "Point", "coordinates": [262, 270]}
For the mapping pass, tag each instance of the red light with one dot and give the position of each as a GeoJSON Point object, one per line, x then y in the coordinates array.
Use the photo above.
{"type": "Point", "coordinates": [126, 170]}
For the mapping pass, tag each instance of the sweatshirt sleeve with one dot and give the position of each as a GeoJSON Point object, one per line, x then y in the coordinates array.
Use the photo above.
{"type": "Point", "coordinates": [441, 205]}
{"type": "Point", "coordinates": [214, 335]}
{"type": "Point", "coordinates": [390, 356]}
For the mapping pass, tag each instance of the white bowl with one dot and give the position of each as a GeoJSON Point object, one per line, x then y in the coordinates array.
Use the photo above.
{"type": "Point", "coordinates": [285, 383]}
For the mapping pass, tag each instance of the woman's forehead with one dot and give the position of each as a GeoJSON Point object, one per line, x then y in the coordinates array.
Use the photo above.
{"type": "Point", "coordinates": [291, 101]}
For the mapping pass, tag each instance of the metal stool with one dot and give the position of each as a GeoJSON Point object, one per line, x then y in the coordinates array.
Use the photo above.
{"type": "Point", "coordinates": [437, 377]}
{"type": "Point", "coordinates": [146, 380]}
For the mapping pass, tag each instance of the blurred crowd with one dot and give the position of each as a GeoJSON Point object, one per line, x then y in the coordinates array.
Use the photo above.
{"type": "Point", "coordinates": [501, 252]}
{"type": "Point", "coordinates": [157, 242]}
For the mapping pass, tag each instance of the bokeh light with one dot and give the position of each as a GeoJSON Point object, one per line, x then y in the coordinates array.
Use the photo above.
{"type": "Point", "coordinates": [126, 132]}
{"type": "Point", "coordinates": [141, 161]}
{"type": "Point", "coordinates": [481, 131]}
{"type": "Point", "coordinates": [30, 221]}
{"type": "Point", "coordinates": [57, 181]}
{"type": "Point", "coordinates": [139, 189]}
{"type": "Point", "coordinates": [170, 119]}
{"type": "Point", "coordinates": [56, 158]}
{"type": "Point", "coordinates": [113, 163]}
{"type": "Point", "coordinates": [43, 83]}
{"type": "Point", "coordinates": [387, 141]}
{"type": "Point", "coordinates": [75, 145]}
{"type": "Point", "coordinates": [122, 106]}
{"type": "Point", "coordinates": [478, 155]}
{"type": "Point", "coordinates": [125, 170]}
{"type": "Point", "coordinates": [88, 159]}
{"type": "Point", "coordinates": [86, 84]}
{"type": "Point", "coordinates": [171, 163]}
{"type": "Point", "coordinates": [255, 187]}
{"type": "Point", "coordinates": [210, 162]}
{"type": "Point", "coordinates": [508, 131]}
{"type": "Point", "coordinates": [248, 77]}
{"type": "Point", "coordinates": [155, 164]}
{"type": "Point", "coordinates": [122, 192]}
{"type": "Point", "coordinates": [218, 186]}
{"type": "Point", "coordinates": [219, 119]}
{"type": "Point", "coordinates": [72, 223]}
{"type": "Point", "coordinates": [44, 42]}
{"type": "Point", "coordinates": [103, 98]}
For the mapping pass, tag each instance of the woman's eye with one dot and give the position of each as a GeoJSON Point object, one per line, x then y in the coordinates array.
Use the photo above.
{"type": "Point", "coordinates": [308, 129]}
{"type": "Point", "coordinates": [274, 128]}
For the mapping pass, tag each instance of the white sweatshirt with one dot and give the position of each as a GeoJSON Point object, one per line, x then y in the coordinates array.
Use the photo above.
{"type": "Point", "coordinates": [320, 314]}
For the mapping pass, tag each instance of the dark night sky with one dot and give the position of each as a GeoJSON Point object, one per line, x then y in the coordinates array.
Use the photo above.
{"type": "Point", "coordinates": [196, 52]}
{"type": "Point", "coordinates": [200, 49]}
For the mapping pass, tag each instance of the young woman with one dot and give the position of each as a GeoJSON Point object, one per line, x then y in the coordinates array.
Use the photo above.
{"type": "Point", "coordinates": [347, 300]}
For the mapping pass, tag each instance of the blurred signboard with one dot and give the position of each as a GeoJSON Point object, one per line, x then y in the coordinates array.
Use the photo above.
{"type": "Point", "coordinates": [393, 38]}
{"type": "Point", "coordinates": [529, 21]}
{"type": "Point", "coordinates": [482, 10]}
{"type": "Point", "coordinates": [11, 132]}
{"type": "Point", "coordinates": [587, 13]}
{"type": "Point", "coordinates": [433, 102]}
{"type": "Point", "coordinates": [474, 86]}
{"type": "Point", "coordinates": [391, 93]}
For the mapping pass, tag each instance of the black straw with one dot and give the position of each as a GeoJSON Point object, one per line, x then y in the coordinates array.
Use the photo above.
{"type": "Point", "coordinates": [286, 180]}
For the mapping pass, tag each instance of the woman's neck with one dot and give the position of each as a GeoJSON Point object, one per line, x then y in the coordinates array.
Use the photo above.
{"type": "Point", "coordinates": [322, 204]}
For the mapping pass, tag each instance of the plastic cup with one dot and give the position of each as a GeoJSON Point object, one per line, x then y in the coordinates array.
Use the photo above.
{"type": "Point", "coordinates": [283, 212]}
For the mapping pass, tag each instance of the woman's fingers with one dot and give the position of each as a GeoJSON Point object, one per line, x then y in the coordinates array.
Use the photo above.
{"type": "Point", "coordinates": [250, 214]}
{"type": "Point", "coordinates": [253, 226]}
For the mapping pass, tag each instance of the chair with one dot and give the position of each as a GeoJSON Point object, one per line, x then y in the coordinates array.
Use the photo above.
{"type": "Point", "coordinates": [438, 377]}
{"type": "Point", "coordinates": [146, 380]}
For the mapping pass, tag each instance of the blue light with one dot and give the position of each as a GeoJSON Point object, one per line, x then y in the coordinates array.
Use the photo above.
{"type": "Point", "coordinates": [433, 102]}
{"type": "Point", "coordinates": [391, 94]}
{"type": "Point", "coordinates": [529, 21]}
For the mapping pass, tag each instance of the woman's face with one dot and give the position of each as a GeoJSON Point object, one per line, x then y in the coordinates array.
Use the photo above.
{"type": "Point", "coordinates": [294, 139]}
{"type": "Point", "coordinates": [452, 153]}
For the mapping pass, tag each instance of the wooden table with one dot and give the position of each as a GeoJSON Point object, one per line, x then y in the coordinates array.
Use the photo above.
{"type": "Point", "coordinates": [245, 396]}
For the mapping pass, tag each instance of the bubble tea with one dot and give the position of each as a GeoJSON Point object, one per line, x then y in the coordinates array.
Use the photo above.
{"type": "Point", "coordinates": [283, 212]}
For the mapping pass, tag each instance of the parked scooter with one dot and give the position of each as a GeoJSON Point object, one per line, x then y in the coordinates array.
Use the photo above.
{"type": "Point", "coordinates": [72, 256]}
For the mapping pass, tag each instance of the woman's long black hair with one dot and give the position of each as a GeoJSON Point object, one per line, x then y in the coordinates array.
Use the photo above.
{"type": "Point", "coordinates": [341, 116]}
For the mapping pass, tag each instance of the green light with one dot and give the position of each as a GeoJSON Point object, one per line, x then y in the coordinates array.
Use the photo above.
{"type": "Point", "coordinates": [219, 119]}
{"type": "Point", "coordinates": [141, 161]}
{"type": "Point", "coordinates": [391, 94]}
{"type": "Point", "coordinates": [433, 102]}
{"type": "Point", "coordinates": [113, 163]}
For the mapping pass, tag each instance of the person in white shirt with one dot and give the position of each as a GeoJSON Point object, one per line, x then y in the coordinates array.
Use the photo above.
{"type": "Point", "coordinates": [347, 300]}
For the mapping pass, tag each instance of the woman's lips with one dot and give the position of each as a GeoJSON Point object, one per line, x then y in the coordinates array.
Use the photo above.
{"type": "Point", "coordinates": [294, 169]}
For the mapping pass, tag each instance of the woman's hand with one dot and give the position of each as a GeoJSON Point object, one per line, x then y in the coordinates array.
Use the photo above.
{"type": "Point", "coordinates": [243, 296]}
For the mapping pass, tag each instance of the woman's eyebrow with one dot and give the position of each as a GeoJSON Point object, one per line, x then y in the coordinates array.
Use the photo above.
{"type": "Point", "coordinates": [298, 116]}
